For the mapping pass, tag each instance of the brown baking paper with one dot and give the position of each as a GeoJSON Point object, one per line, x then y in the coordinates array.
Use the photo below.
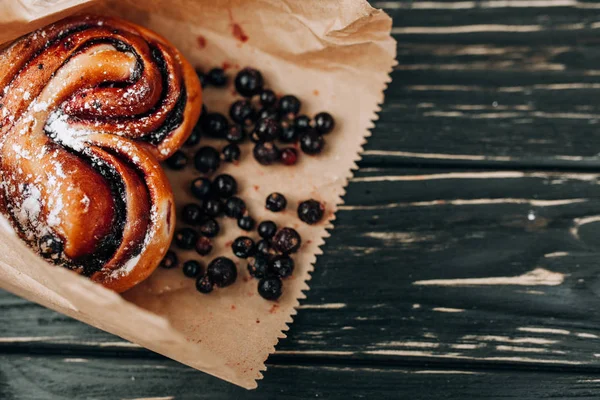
{"type": "Point", "coordinates": [335, 56]}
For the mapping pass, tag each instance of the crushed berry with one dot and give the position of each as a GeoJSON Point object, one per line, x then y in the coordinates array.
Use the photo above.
{"type": "Point", "coordinates": [270, 288]}
{"type": "Point", "coordinates": [258, 267]}
{"type": "Point", "coordinates": [324, 123]}
{"type": "Point", "coordinates": [185, 238]}
{"type": "Point", "coordinates": [217, 77]}
{"type": "Point", "coordinates": [302, 123]}
{"type": "Point", "coordinates": [215, 125]}
{"type": "Point", "coordinates": [246, 223]}
{"type": "Point", "coordinates": [311, 142]}
{"type": "Point", "coordinates": [289, 105]}
{"type": "Point", "coordinates": [177, 161]}
{"type": "Point", "coordinates": [231, 153]}
{"type": "Point", "coordinates": [267, 98]}
{"type": "Point", "coordinates": [289, 156]}
{"type": "Point", "coordinates": [242, 112]}
{"type": "Point", "coordinates": [204, 284]}
{"type": "Point", "coordinates": [192, 213]}
{"type": "Point", "coordinates": [286, 241]}
{"type": "Point", "coordinates": [249, 82]}
{"type": "Point", "coordinates": [204, 246]}
{"type": "Point", "coordinates": [213, 207]}
{"type": "Point", "coordinates": [207, 159]}
{"type": "Point", "coordinates": [224, 186]}
{"type": "Point", "coordinates": [282, 266]}
{"type": "Point", "coordinates": [310, 211]}
{"type": "Point", "coordinates": [276, 202]}
{"type": "Point", "coordinates": [267, 229]}
{"type": "Point", "coordinates": [222, 271]}
{"type": "Point", "coordinates": [209, 228]}
{"type": "Point", "coordinates": [201, 188]}
{"type": "Point", "coordinates": [192, 268]}
{"type": "Point", "coordinates": [243, 247]}
{"type": "Point", "coordinates": [266, 153]}
{"type": "Point", "coordinates": [235, 134]}
{"type": "Point", "coordinates": [170, 260]}
{"type": "Point", "coordinates": [235, 207]}
{"type": "Point", "coordinates": [266, 130]}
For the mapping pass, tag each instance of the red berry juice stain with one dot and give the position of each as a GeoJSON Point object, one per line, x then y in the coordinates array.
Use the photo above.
{"type": "Point", "coordinates": [258, 321]}
{"type": "Point", "coordinates": [274, 308]}
{"type": "Point", "coordinates": [201, 40]}
{"type": "Point", "coordinates": [237, 30]}
{"type": "Point", "coordinates": [228, 244]}
{"type": "Point", "coordinates": [226, 66]}
{"type": "Point", "coordinates": [316, 92]}
{"type": "Point", "coordinates": [256, 187]}
{"type": "Point", "coordinates": [233, 306]}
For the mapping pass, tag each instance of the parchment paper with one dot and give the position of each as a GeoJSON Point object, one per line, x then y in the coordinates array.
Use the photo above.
{"type": "Point", "coordinates": [336, 56]}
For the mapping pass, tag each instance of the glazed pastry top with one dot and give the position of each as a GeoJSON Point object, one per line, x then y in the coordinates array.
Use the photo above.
{"type": "Point", "coordinates": [88, 106]}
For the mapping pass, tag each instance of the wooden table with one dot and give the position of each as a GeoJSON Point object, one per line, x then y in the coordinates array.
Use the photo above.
{"type": "Point", "coordinates": [465, 261]}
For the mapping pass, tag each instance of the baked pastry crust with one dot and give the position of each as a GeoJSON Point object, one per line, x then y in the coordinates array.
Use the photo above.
{"type": "Point", "coordinates": [88, 108]}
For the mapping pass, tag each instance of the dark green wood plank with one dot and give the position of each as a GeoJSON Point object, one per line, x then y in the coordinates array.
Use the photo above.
{"type": "Point", "coordinates": [58, 378]}
{"type": "Point", "coordinates": [396, 281]}
{"type": "Point", "coordinates": [480, 83]}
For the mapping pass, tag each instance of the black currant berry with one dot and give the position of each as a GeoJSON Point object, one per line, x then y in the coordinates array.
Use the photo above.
{"type": "Point", "coordinates": [194, 137]}
{"type": "Point", "coordinates": [311, 142]}
{"type": "Point", "coordinates": [242, 112]}
{"type": "Point", "coordinates": [170, 260]}
{"type": "Point", "coordinates": [302, 123]}
{"type": "Point", "coordinates": [204, 284]}
{"type": "Point", "coordinates": [204, 246]}
{"type": "Point", "coordinates": [288, 134]}
{"type": "Point", "coordinates": [224, 186]}
{"type": "Point", "coordinates": [266, 153]}
{"type": "Point", "coordinates": [289, 156]}
{"type": "Point", "coordinates": [215, 125]}
{"type": "Point", "coordinates": [286, 241]}
{"type": "Point", "coordinates": [267, 229]}
{"type": "Point", "coordinates": [243, 247]}
{"type": "Point", "coordinates": [324, 123]}
{"type": "Point", "coordinates": [246, 223]}
{"type": "Point", "coordinates": [192, 268]}
{"type": "Point", "coordinates": [264, 247]}
{"type": "Point", "coordinates": [276, 202]}
{"type": "Point", "coordinates": [217, 77]}
{"type": "Point", "coordinates": [201, 77]}
{"type": "Point", "coordinates": [231, 153]}
{"type": "Point", "coordinates": [185, 238]}
{"type": "Point", "coordinates": [177, 161]}
{"type": "Point", "coordinates": [235, 134]}
{"type": "Point", "coordinates": [270, 288]}
{"type": "Point", "coordinates": [213, 207]}
{"type": "Point", "coordinates": [266, 130]}
{"type": "Point", "coordinates": [282, 266]}
{"type": "Point", "coordinates": [289, 104]}
{"type": "Point", "coordinates": [267, 98]}
{"type": "Point", "coordinates": [209, 228]}
{"type": "Point", "coordinates": [235, 207]}
{"type": "Point", "coordinates": [249, 82]}
{"type": "Point", "coordinates": [258, 266]}
{"type": "Point", "coordinates": [192, 214]}
{"type": "Point", "coordinates": [222, 271]}
{"type": "Point", "coordinates": [201, 188]}
{"type": "Point", "coordinates": [310, 211]}
{"type": "Point", "coordinates": [207, 159]}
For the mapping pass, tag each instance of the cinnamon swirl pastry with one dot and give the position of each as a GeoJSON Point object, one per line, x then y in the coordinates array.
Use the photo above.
{"type": "Point", "coordinates": [88, 108]}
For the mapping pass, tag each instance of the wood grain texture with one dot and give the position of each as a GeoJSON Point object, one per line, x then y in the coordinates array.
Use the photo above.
{"type": "Point", "coordinates": [464, 263]}
{"type": "Point", "coordinates": [56, 378]}
{"type": "Point", "coordinates": [486, 267]}
{"type": "Point", "coordinates": [492, 83]}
